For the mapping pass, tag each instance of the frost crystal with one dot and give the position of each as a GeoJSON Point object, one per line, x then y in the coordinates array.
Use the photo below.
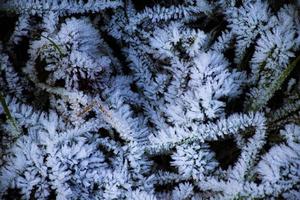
{"type": "Point", "coordinates": [149, 100]}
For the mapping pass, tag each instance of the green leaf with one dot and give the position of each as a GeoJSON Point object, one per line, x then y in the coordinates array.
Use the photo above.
{"type": "Point", "coordinates": [8, 114]}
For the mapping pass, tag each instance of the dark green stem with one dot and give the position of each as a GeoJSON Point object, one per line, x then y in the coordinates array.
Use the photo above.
{"type": "Point", "coordinates": [54, 45]}
{"type": "Point", "coordinates": [276, 85]}
{"type": "Point", "coordinates": [7, 113]}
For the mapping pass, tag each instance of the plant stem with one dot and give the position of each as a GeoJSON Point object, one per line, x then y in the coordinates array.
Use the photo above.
{"type": "Point", "coordinates": [8, 114]}
{"type": "Point", "coordinates": [54, 45]}
{"type": "Point", "coordinates": [275, 86]}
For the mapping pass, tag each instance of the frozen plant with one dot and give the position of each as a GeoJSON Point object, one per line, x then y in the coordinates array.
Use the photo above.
{"type": "Point", "coordinates": [154, 100]}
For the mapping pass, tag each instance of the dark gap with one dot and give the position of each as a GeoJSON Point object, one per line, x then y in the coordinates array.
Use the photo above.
{"type": "Point", "coordinates": [226, 151]}
{"type": "Point", "coordinates": [239, 3]}
{"type": "Point", "coordinates": [117, 138]}
{"type": "Point", "coordinates": [248, 133]}
{"type": "Point", "coordinates": [181, 50]}
{"type": "Point", "coordinates": [275, 5]}
{"type": "Point", "coordinates": [32, 194]}
{"type": "Point", "coordinates": [273, 138]}
{"type": "Point", "coordinates": [134, 88]}
{"type": "Point", "coordinates": [136, 108]}
{"type": "Point", "coordinates": [40, 66]}
{"type": "Point", "coordinates": [20, 54]}
{"type": "Point", "coordinates": [68, 105]}
{"type": "Point", "coordinates": [41, 100]}
{"type": "Point", "coordinates": [104, 132]}
{"type": "Point", "coordinates": [141, 5]}
{"type": "Point", "coordinates": [276, 101]}
{"type": "Point", "coordinates": [151, 124]}
{"type": "Point", "coordinates": [8, 22]}
{"type": "Point", "coordinates": [280, 197]}
{"type": "Point", "coordinates": [245, 62]}
{"type": "Point", "coordinates": [84, 84]}
{"type": "Point", "coordinates": [229, 54]}
{"type": "Point", "coordinates": [214, 23]}
{"type": "Point", "coordinates": [2, 117]}
{"type": "Point", "coordinates": [90, 115]}
{"type": "Point", "coordinates": [165, 187]}
{"type": "Point", "coordinates": [60, 83]}
{"type": "Point", "coordinates": [13, 194]}
{"type": "Point", "coordinates": [235, 105]}
{"type": "Point", "coordinates": [163, 162]}
{"type": "Point", "coordinates": [117, 50]}
{"type": "Point", "coordinates": [29, 93]}
{"type": "Point", "coordinates": [52, 195]}
{"type": "Point", "coordinates": [24, 130]}
{"type": "Point", "coordinates": [168, 3]}
{"type": "Point", "coordinates": [257, 180]}
{"type": "Point", "coordinates": [96, 187]}
{"type": "Point", "coordinates": [108, 154]}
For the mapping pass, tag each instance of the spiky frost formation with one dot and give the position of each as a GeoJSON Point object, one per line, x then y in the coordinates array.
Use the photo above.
{"type": "Point", "coordinates": [189, 99]}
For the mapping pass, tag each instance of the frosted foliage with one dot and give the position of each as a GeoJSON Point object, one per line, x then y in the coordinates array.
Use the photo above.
{"type": "Point", "coordinates": [274, 47]}
{"type": "Point", "coordinates": [247, 22]}
{"type": "Point", "coordinates": [149, 100]}
{"type": "Point", "coordinates": [194, 161]}
{"type": "Point", "coordinates": [166, 40]}
{"type": "Point", "coordinates": [75, 55]}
